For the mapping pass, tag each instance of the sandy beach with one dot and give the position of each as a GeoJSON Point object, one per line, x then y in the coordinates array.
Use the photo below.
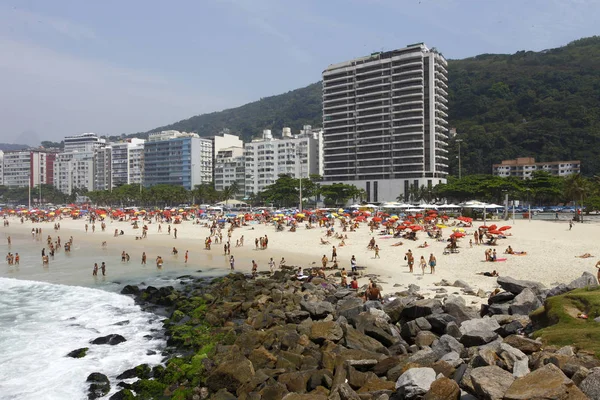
{"type": "Point", "coordinates": [551, 252]}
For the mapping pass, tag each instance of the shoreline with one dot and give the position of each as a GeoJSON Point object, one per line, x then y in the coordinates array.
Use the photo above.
{"type": "Point", "coordinates": [551, 249]}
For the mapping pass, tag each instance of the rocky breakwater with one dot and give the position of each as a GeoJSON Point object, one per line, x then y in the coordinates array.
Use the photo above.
{"type": "Point", "coordinates": [280, 338]}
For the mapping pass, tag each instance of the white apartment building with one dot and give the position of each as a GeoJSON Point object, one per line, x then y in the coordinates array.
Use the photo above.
{"type": "Point", "coordinates": [267, 158]}
{"type": "Point", "coordinates": [384, 121]}
{"type": "Point", "coordinates": [23, 168]}
{"type": "Point", "coordinates": [127, 162]}
{"type": "Point", "coordinates": [229, 168]}
{"type": "Point", "coordinates": [102, 168]}
{"type": "Point", "coordinates": [74, 170]}
{"type": "Point", "coordinates": [524, 167]}
{"type": "Point", "coordinates": [83, 142]}
{"type": "Point", "coordinates": [206, 160]}
{"type": "Point", "coordinates": [1, 167]}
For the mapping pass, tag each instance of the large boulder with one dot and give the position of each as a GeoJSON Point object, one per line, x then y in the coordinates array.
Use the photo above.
{"type": "Point", "coordinates": [411, 328]}
{"type": "Point", "coordinates": [525, 302]}
{"type": "Point", "coordinates": [547, 382]}
{"type": "Point", "coordinates": [325, 330]}
{"type": "Point", "coordinates": [447, 344]}
{"type": "Point", "coordinates": [516, 286]}
{"type": "Point", "coordinates": [457, 307]}
{"type": "Point", "coordinates": [591, 384]}
{"type": "Point", "coordinates": [443, 389]}
{"type": "Point", "coordinates": [585, 280]}
{"type": "Point", "coordinates": [490, 383]}
{"type": "Point", "coordinates": [422, 308]}
{"type": "Point", "coordinates": [394, 309]}
{"type": "Point", "coordinates": [353, 339]}
{"type": "Point", "coordinates": [317, 309]}
{"type": "Point", "coordinates": [78, 353]}
{"type": "Point", "coordinates": [230, 375]}
{"type": "Point", "coordinates": [479, 324]}
{"type": "Point", "coordinates": [109, 339]}
{"type": "Point", "coordinates": [415, 382]}
{"type": "Point", "coordinates": [350, 307]}
{"type": "Point", "coordinates": [478, 338]}
{"type": "Point", "coordinates": [439, 322]}
{"type": "Point", "coordinates": [501, 297]}
{"type": "Point", "coordinates": [527, 346]}
{"type": "Point", "coordinates": [99, 385]}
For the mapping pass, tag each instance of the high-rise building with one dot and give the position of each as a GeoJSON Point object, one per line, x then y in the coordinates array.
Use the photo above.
{"type": "Point", "coordinates": [224, 140]}
{"type": "Point", "coordinates": [74, 170]}
{"type": "Point", "coordinates": [127, 162]}
{"type": "Point", "coordinates": [103, 168]}
{"type": "Point", "coordinates": [1, 167]}
{"type": "Point", "coordinates": [24, 168]}
{"type": "Point", "coordinates": [174, 158]}
{"type": "Point", "coordinates": [267, 158]}
{"type": "Point", "coordinates": [83, 142]}
{"type": "Point", "coordinates": [229, 168]}
{"type": "Point", "coordinates": [384, 121]}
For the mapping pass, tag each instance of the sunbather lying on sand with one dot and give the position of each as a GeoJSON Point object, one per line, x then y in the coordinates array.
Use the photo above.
{"type": "Point", "coordinates": [493, 273]}
{"type": "Point", "coordinates": [397, 244]}
{"type": "Point", "coordinates": [585, 255]}
{"type": "Point", "coordinates": [323, 241]}
{"type": "Point", "coordinates": [509, 250]}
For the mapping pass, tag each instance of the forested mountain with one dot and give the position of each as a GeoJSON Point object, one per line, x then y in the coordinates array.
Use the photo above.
{"type": "Point", "coordinates": [542, 104]}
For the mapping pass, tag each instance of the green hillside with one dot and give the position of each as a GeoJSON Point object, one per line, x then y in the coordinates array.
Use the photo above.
{"type": "Point", "coordinates": [541, 104]}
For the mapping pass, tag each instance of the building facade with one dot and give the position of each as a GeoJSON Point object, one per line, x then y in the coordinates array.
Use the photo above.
{"type": "Point", "coordinates": [173, 158]}
{"type": "Point", "coordinates": [229, 168]}
{"type": "Point", "coordinates": [384, 121]}
{"type": "Point", "coordinates": [127, 162]}
{"type": "Point", "coordinates": [24, 168]}
{"type": "Point", "coordinates": [83, 142]}
{"type": "Point", "coordinates": [102, 168]}
{"type": "Point", "coordinates": [74, 170]}
{"type": "Point", "coordinates": [267, 158]}
{"type": "Point", "coordinates": [523, 167]}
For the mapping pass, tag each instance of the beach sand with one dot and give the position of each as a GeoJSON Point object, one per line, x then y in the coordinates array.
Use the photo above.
{"type": "Point", "coordinates": [551, 249]}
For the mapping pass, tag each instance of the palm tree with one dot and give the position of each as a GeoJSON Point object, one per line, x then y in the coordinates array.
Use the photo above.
{"type": "Point", "coordinates": [576, 188]}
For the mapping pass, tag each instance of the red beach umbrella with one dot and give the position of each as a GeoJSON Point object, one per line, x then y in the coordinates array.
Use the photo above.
{"type": "Point", "coordinates": [494, 232]}
{"type": "Point", "coordinates": [504, 228]}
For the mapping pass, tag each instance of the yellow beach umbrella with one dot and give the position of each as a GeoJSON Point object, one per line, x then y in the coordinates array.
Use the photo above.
{"type": "Point", "coordinates": [441, 226]}
{"type": "Point", "coordinates": [300, 215]}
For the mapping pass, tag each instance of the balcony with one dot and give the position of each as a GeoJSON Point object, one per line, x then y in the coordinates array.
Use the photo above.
{"type": "Point", "coordinates": [402, 88]}
{"type": "Point", "coordinates": [408, 95]}
{"type": "Point", "coordinates": [331, 85]}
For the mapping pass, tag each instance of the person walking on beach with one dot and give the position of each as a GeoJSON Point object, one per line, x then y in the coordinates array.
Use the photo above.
{"type": "Point", "coordinates": [333, 254]}
{"type": "Point", "coordinates": [570, 225]}
{"type": "Point", "coordinates": [353, 266]}
{"type": "Point", "coordinates": [254, 269]}
{"type": "Point", "coordinates": [432, 263]}
{"type": "Point", "coordinates": [186, 256]}
{"type": "Point", "coordinates": [598, 267]}
{"type": "Point", "coordinates": [272, 265]}
{"type": "Point", "coordinates": [9, 241]}
{"type": "Point", "coordinates": [410, 260]}
{"type": "Point", "coordinates": [324, 261]}
{"type": "Point", "coordinates": [232, 263]}
{"type": "Point", "coordinates": [423, 264]}
{"type": "Point", "coordinates": [103, 268]}
{"type": "Point", "coordinates": [376, 251]}
{"type": "Point", "coordinates": [169, 230]}
{"type": "Point", "coordinates": [175, 233]}
{"type": "Point", "coordinates": [95, 271]}
{"type": "Point", "coordinates": [144, 258]}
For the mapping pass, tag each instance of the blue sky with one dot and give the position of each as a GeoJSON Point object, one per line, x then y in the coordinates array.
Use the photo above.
{"type": "Point", "coordinates": [114, 66]}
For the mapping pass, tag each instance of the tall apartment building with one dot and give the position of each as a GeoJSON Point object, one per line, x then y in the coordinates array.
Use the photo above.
{"type": "Point", "coordinates": [173, 158]}
{"type": "Point", "coordinates": [229, 167]}
{"type": "Point", "coordinates": [523, 167]}
{"type": "Point", "coordinates": [127, 162]}
{"type": "Point", "coordinates": [24, 168]}
{"type": "Point", "coordinates": [267, 158]}
{"type": "Point", "coordinates": [102, 168]}
{"type": "Point", "coordinates": [83, 142]}
{"type": "Point", "coordinates": [74, 170]}
{"type": "Point", "coordinates": [206, 159]}
{"type": "Point", "coordinates": [224, 140]}
{"type": "Point", "coordinates": [1, 167]}
{"type": "Point", "coordinates": [384, 121]}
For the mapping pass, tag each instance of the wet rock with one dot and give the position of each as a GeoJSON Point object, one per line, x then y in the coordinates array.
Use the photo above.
{"type": "Point", "coordinates": [109, 339]}
{"type": "Point", "coordinates": [79, 353]}
{"type": "Point", "coordinates": [491, 383]}
{"type": "Point", "coordinates": [99, 385]}
{"type": "Point", "coordinates": [415, 382]}
{"type": "Point", "coordinates": [142, 371]}
{"type": "Point", "coordinates": [131, 290]}
{"type": "Point", "coordinates": [548, 382]}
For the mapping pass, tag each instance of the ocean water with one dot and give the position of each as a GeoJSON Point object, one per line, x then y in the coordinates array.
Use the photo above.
{"type": "Point", "coordinates": [48, 311]}
{"type": "Point", "coordinates": [41, 322]}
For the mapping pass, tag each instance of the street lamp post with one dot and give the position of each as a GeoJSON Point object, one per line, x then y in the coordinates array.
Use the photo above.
{"type": "Point", "coordinates": [459, 141]}
{"type": "Point", "coordinates": [299, 161]}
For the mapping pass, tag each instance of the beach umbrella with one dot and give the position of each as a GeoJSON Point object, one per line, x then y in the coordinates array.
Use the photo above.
{"type": "Point", "coordinates": [493, 227]}
{"type": "Point", "coordinates": [441, 226]}
{"type": "Point", "coordinates": [494, 232]}
{"type": "Point", "coordinates": [416, 228]}
{"type": "Point", "coordinates": [300, 215]}
{"type": "Point", "coordinates": [458, 234]}
{"type": "Point", "coordinates": [504, 228]}
{"type": "Point", "coordinates": [377, 219]}
{"type": "Point", "coordinates": [484, 226]}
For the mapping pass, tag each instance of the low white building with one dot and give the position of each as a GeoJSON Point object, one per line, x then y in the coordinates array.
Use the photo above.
{"type": "Point", "coordinates": [229, 168]}
{"type": "Point", "coordinates": [267, 158]}
{"type": "Point", "coordinates": [83, 142]}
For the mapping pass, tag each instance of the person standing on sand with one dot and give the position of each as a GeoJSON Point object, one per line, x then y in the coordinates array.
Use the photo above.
{"type": "Point", "coordinates": [232, 263]}
{"type": "Point", "coordinates": [103, 268]}
{"type": "Point", "coordinates": [598, 267]}
{"type": "Point", "coordinates": [175, 233]}
{"type": "Point", "coordinates": [144, 258]}
{"type": "Point", "coordinates": [254, 269]}
{"type": "Point", "coordinates": [271, 265]}
{"type": "Point", "coordinates": [333, 254]}
{"type": "Point", "coordinates": [353, 264]}
{"type": "Point", "coordinates": [95, 271]}
{"type": "Point", "coordinates": [376, 251]}
{"type": "Point", "coordinates": [186, 256]}
{"type": "Point", "coordinates": [9, 241]}
{"type": "Point", "coordinates": [410, 260]}
{"type": "Point", "coordinates": [324, 261]}
{"type": "Point", "coordinates": [423, 264]}
{"type": "Point", "coordinates": [570, 224]}
{"type": "Point", "coordinates": [432, 263]}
